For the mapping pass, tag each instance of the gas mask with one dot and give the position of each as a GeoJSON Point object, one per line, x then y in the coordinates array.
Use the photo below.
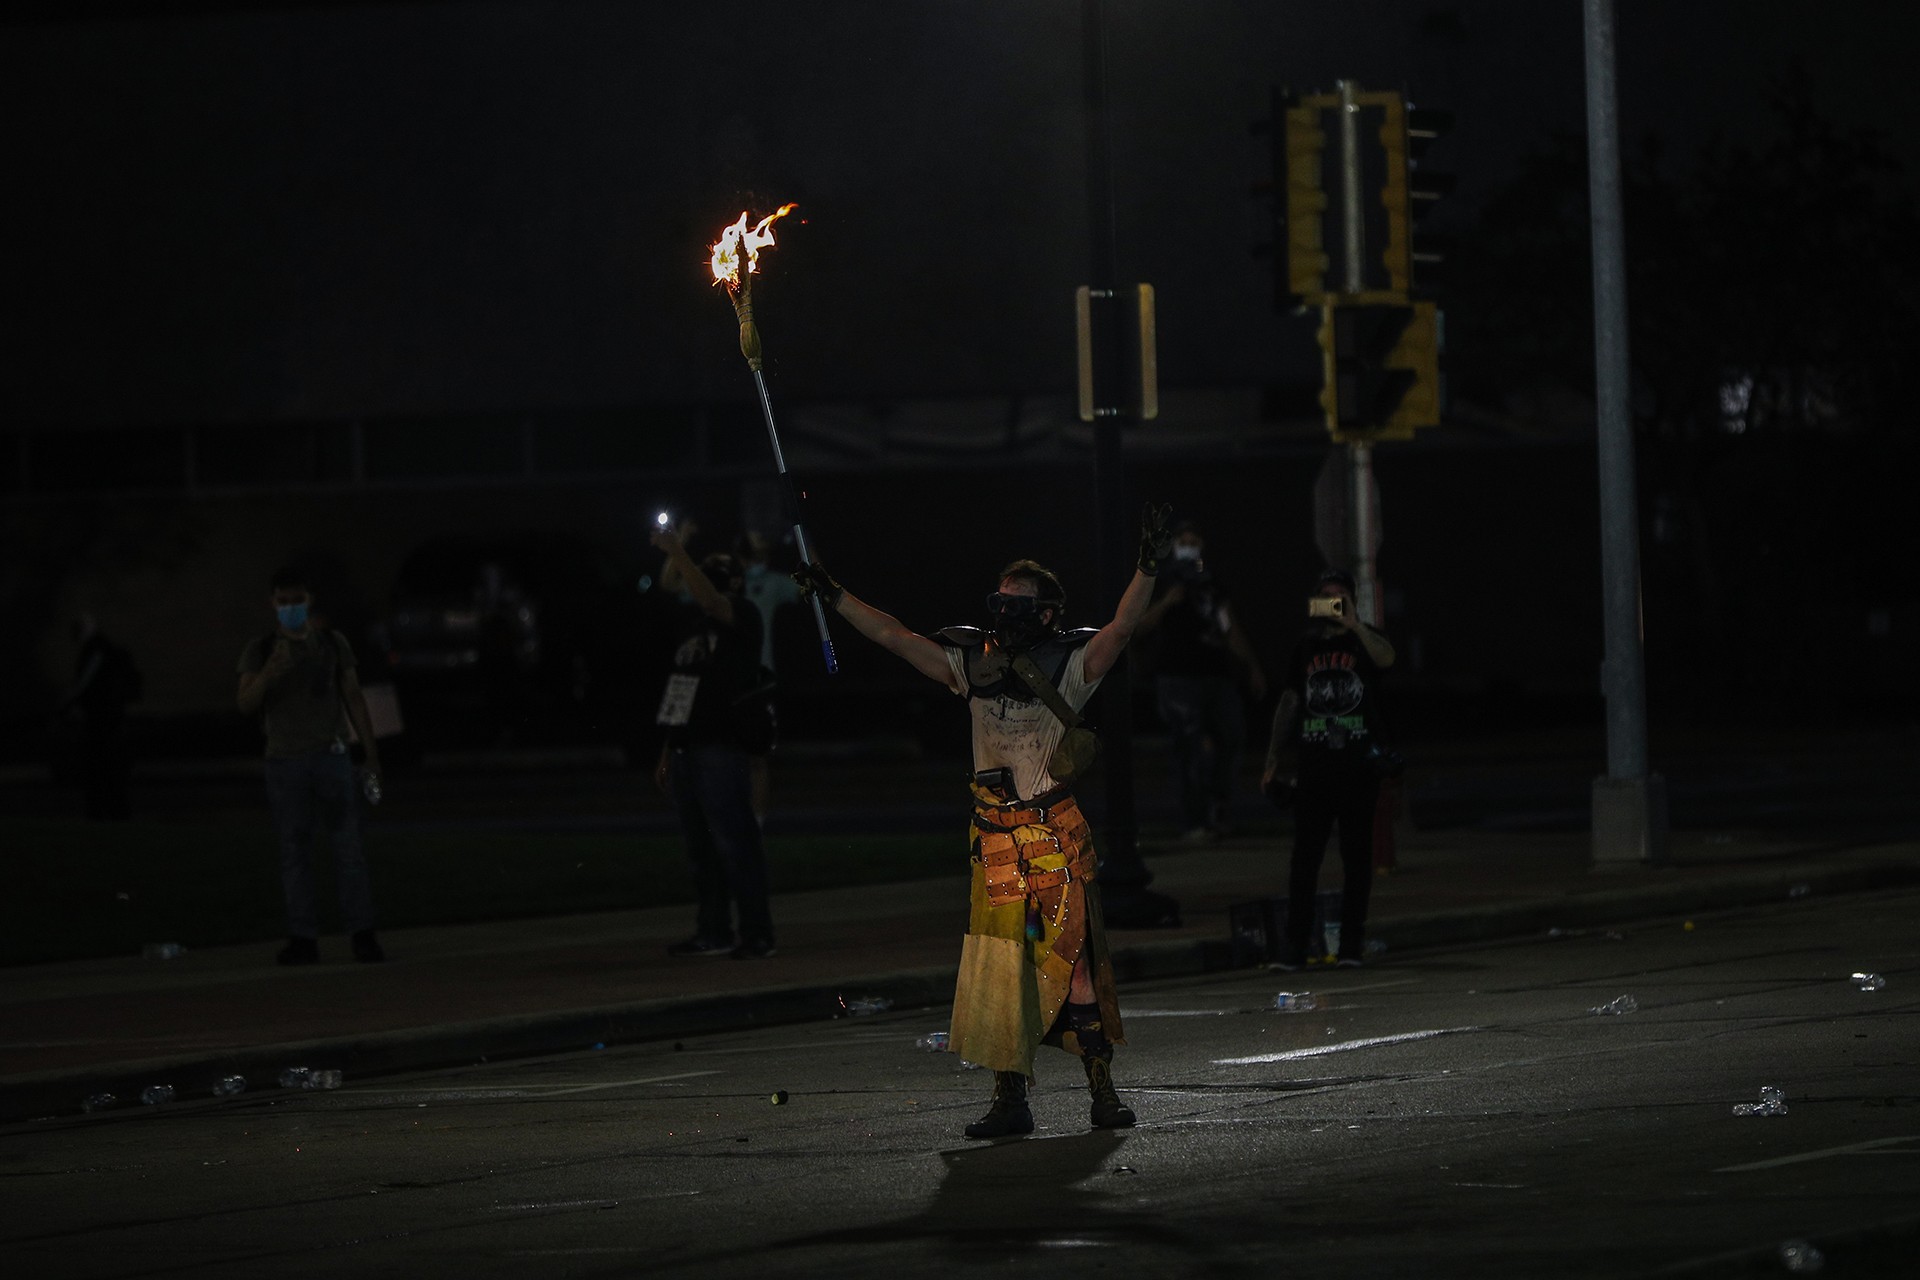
{"type": "Point", "coordinates": [1015, 620]}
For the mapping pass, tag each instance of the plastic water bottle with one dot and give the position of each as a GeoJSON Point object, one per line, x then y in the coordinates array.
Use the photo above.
{"type": "Point", "coordinates": [932, 1042]}
{"type": "Point", "coordinates": [1869, 982]}
{"type": "Point", "coordinates": [162, 951]}
{"type": "Point", "coordinates": [99, 1102]}
{"type": "Point", "coordinates": [866, 1005]}
{"type": "Point", "coordinates": [227, 1086]}
{"type": "Point", "coordinates": [1801, 1258]}
{"type": "Point", "coordinates": [1800, 890]}
{"type": "Point", "coordinates": [1773, 1102]}
{"type": "Point", "coordinates": [155, 1094]}
{"type": "Point", "coordinates": [295, 1077]}
{"type": "Point", "coordinates": [1295, 1002]}
{"type": "Point", "coordinates": [327, 1079]}
{"type": "Point", "coordinates": [1619, 1004]}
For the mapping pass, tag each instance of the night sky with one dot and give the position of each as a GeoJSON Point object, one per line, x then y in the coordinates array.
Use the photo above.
{"type": "Point", "coordinates": [244, 213]}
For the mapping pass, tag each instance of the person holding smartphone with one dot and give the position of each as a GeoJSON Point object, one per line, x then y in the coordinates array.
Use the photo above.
{"type": "Point", "coordinates": [1329, 714]}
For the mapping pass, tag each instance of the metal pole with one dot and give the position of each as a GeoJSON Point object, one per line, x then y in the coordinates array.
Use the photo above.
{"type": "Point", "coordinates": [1629, 809]}
{"type": "Point", "coordinates": [1353, 238]}
{"type": "Point", "coordinates": [799, 534]}
{"type": "Point", "coordinates": [1121, 868]}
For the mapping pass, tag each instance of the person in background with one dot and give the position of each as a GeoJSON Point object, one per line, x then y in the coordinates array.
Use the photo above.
{"type": "Point", "coordinates": [300, 678]}
{"type": "Point", "coordinates": [1202, 655]}
{"type": "Point", "coordinates": [704, 766]}
{"type": "Point", "coordinates": [105, 681]}
{"type": "Point", "coordinates": [1333, 691]}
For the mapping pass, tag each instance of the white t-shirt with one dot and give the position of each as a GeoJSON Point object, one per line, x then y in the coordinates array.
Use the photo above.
{"type": "Point", "coordinates": [1021, 735]}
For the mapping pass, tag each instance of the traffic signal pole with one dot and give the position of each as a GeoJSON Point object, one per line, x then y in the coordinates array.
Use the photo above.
{"type": "Point", "coordinates": [1362, 516]}
{"type": "Point", "coordinates": [1629, 802]}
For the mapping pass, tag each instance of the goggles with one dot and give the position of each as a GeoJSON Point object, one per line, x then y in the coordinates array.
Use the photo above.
{"type": "Point", "coordinates": [1008, 606]}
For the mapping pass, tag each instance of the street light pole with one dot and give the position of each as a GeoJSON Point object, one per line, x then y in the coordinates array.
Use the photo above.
{"type": "Point", "coordinates": [1123, 873]}
{"type": "Point", "coordinates": [1360, 523]}
{"type": "Point", "coordinates": [1629, 802]}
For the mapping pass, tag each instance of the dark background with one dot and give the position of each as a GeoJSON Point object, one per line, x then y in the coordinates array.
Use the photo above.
{"type": "Point", "coordinates": [336, 280]}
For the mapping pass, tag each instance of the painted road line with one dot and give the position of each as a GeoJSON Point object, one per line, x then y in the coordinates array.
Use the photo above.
{"type": "Point", "coordinates": [1872, 1148]}
{"type": "Point", "coordinates": [1342, 1046]}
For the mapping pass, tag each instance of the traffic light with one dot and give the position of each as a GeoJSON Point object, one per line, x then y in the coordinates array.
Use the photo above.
{"type": "Point", "coordinates": [1410, 190]}
{"type": "Point", "coordinates": [1381, 366]}
{"type": "Point", "coordinates": [1297, 185]}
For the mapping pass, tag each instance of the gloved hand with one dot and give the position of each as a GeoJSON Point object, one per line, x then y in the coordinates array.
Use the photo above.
{"type": "Point", "coordinates": [813, 580]}
{"type": "Point", "coordinates": [1156, 537]}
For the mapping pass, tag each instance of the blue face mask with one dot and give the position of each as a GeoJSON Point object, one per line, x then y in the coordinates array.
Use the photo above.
{"type": "Point", "coordinates": [292, 616]}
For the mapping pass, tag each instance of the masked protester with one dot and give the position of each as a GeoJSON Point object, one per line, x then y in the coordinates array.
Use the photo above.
{"type": "Point", "coordinates": [301, 680]}
{"type": "Point", "coordinates": [1034, 967]}
{"type": "Point", "coordinates": [1332, 690]}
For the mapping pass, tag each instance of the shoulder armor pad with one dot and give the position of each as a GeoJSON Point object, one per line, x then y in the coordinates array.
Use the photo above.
{"type": "Point", "coordinates": [961, 637]}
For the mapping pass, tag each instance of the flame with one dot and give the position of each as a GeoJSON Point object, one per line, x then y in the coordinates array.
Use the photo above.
{"type": "Point", "coordinates": [740, 238]}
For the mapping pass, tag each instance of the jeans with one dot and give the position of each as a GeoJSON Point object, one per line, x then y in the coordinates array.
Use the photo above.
{"type": "Point", "coordinates": [1209, 728]}
{"type": "Point", "coordinates": [307, 792]}
{"type": "Point", "coordinates": [712, 788]}
{"type": "Point", "coordinates": [1347, 794]}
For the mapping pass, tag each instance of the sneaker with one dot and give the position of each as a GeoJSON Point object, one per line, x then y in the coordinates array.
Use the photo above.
{"type": "Point", "coordinates": [753, 949]}
{"type": "Point", "coordinates": [299, 951]}
{"type": "Point", "coordinates": [1349, 962]}
{"type": "Point", "coordinates": [1289, 964]}
{"type": "Point", "coordinates": [366, 948]}
{"type": "Point", "coordinates": [698, 946]}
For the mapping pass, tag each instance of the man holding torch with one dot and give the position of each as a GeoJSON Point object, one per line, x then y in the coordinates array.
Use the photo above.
{"type": "Point", "coordinates": [1034, 967]}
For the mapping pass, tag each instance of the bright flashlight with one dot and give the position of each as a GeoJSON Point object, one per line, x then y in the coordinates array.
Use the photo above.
{"type": "Point", "coordinates": [663, 519]}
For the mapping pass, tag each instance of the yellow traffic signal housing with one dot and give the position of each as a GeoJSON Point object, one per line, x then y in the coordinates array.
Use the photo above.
{"type": "Point", "coordinates": [1381, 369]}
{"type": "Point", "coordinates": [1305, 193]}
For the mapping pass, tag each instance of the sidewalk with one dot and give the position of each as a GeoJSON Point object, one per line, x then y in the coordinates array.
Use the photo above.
{"type": "Point", "coordinates": [459, 994]}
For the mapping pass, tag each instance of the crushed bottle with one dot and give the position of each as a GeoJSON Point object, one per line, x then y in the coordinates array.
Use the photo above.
{"type": "Point", "coordinates": [932, 1042]}
{"type": "Point", "coordinates": [327, 1079]}
{"type": "Point", "coordinates": [1773, 1102]}
{"type": "Point", "coordinates": [1295, 1002]}
{"type": "Point", "coordinates": [1869, 982]}
{"type": "Point", "coordinates": [865, 1005]}
{"type": "Point", "coordinates": [1375, 947]}
{"type": "Point", "coordinates": [1800, 890]}
{"type": "Point", "coordinates": [99, 1102]}
{"type": "Point", "coordinates": [1801, 1258]}
{"type": "Point", "coordinates": [295, 1077]}
{"type": "Point", "coordinates": [155, 1094]}
{"type": "Point", "coordinates": [370, 786]}
{"type": "Point", "coordinates": [162, 951]}
{"type": "Point", "coordinates": [1619, 1004]}
{"type": "Point", "coordinates": [227, 1086]}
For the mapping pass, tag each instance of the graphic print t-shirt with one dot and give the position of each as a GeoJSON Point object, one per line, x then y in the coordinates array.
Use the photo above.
{"type": "Point", "coordinates": [725, 660]}
{"type": "Point", "coordinates": [1335, 681]}
{"type": "Point", "coordinates": [1017, 735]}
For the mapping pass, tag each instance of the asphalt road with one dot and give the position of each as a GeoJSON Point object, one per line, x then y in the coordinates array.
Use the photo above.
{"type": "Point", "coordinates": [1452, 1113]}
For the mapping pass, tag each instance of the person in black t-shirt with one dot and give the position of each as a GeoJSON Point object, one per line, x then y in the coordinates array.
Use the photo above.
{"type": "Point", "coordinates": [704, 767]}
{"type": "Point", "coordinates": [1332, 689]}
{"type": "Point", "coordinates": [1201, 652]}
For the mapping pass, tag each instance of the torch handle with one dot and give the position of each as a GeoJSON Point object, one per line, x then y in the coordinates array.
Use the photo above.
{"type": "Point", "coordinates": [819, 610]}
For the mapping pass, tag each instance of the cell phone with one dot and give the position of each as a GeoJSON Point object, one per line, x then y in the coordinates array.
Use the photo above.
{"type": "Point", "coordinates": [1326, 606]}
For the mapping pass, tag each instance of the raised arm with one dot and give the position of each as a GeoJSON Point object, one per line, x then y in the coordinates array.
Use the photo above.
{"type": "Point", "coordinates": [1156, 540]}
{"type": "Point", "coordinates": [923, 655]}
{"type": "Point", "coordinates": [709, 598]}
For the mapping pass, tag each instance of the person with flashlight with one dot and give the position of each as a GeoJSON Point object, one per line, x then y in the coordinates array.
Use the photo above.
{"type": "Point", "coordinates": [1034, 967]}
{"type": "Point", "coordinates": [1333, 691]}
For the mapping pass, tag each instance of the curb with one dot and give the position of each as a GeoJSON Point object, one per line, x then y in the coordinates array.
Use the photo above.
{"type": "Point", "coordinates": [57, 1094]}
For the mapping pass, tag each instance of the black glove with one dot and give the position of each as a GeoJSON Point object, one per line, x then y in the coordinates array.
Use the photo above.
{"type": "Point", "coordinates": [813, 580]}
{"type": "Point", "coordinates": [1156, 537]}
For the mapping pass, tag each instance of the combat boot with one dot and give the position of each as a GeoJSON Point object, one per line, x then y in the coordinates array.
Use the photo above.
{"type": "Point", "coordinates": [1009, 1115]}
{"type": "Point", "coordinates": [1108, 1111]}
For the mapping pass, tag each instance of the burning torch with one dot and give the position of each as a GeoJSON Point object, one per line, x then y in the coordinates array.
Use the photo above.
{"type": "Point", "coordinates": [736, 256]}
